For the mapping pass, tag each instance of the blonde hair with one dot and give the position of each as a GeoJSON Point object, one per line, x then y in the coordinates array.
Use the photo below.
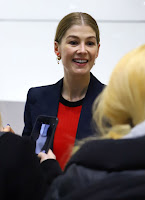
{"type": "Point", "coordinates": [121, 105]}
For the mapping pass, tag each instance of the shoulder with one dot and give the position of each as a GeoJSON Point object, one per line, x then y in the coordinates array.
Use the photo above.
{"type": "Point", "coordinates": [11, 143]}
{"type": "Point", "coordinates": [95, 80]}
{"type": "Point", "coordinates": [77, 177]}
{"type": "Point", "coordinates": [110, 157]}
{"type": "Point", "coordinates": [91, 166]}
{"type": "Point", "coordinates": [17, 152]}
{"type": "Point", "coordinates": [43, 91]}
{"type": "Point", "coordinates": [95, 86]}
{"type": "Point", "coordinates": [96, 184]}
{"type": "Point", "coordinates": [44, 88]}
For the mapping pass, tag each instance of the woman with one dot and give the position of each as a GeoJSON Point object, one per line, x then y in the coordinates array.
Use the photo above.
{"type": "Point", "coordinates": [106, 168]}
{"type": "Point", "coordinates": [77, 43]}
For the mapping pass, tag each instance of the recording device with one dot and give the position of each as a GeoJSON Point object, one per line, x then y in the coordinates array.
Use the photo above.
{"type": "Point", "coordinates": [43, 132]}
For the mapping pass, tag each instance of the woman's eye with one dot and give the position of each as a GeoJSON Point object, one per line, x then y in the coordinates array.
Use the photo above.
{"type": "Point", "coordinates": [73, 42]}
{"type": "Point", "coordinates": [90, 43]}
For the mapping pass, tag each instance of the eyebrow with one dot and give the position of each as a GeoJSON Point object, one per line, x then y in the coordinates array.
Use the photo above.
{"type": "Point", "coordinates": [74, 36]}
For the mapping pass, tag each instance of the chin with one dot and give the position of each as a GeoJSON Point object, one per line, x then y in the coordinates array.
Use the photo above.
{"type": "Point", "coordinates": [81, 72]}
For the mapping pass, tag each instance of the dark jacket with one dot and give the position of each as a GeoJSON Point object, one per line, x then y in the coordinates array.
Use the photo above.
{"type": "Point", "coordinates": [21, 176]}
{"type": "Point", "coordinates": [103, 170]}
{"type": "Point", "coordinates": [45, 101]}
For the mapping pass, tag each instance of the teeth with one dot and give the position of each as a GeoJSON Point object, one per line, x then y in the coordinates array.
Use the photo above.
{"type": "Point", "coordinates": [81, 61]}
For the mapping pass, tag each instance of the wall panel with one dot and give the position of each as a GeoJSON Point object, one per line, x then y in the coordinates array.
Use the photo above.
{"type": "Point", "coordinates": [54, 10]}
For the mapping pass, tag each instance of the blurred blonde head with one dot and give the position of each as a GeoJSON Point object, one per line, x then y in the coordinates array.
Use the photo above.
{"type": "Point", "coordinates": [121, 105]}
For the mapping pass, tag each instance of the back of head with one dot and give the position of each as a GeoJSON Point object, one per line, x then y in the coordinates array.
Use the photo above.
{"type": "Point", "coordinates": [76, 18]}
{"type": "Point", "coordinates": [122, 103]}
{"type": "Point", "coordinates": [20, 173]}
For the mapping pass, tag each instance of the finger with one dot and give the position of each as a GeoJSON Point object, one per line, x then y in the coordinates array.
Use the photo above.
{"type": "Point", "coordinates": [8, 129]}
{"type": "Point", "coordinates": [51, 154]}
{"type": "Point", "coordinates": [41, 154]}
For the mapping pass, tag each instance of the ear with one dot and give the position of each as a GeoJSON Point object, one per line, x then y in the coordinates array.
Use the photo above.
{"type": "Point", "coordinates": [56, 48]}
{"type": "Point", "coordinates": [98, 50]}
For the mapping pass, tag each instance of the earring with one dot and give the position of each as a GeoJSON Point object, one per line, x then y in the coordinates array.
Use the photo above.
{"type": "Point", "coordinates": [58, 58]}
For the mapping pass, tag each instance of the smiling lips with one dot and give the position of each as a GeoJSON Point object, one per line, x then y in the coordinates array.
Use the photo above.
{"type": "Point", "coordinates": [80, 61]}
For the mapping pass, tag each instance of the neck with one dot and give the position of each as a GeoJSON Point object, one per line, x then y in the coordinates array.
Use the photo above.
{"type": "Point", "coordinates": [75, 88]}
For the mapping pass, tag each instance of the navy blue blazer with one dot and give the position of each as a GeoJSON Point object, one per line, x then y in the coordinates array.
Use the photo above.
{"type": "Point", "coordinates": [44, 100]}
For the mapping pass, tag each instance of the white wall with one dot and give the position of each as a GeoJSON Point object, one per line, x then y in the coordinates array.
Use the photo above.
{"type": "Point", "coordinates": [27, 29]}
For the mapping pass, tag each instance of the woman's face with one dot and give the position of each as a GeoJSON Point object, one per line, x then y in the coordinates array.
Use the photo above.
{"type": "Point", "coordinates": [78, 49]}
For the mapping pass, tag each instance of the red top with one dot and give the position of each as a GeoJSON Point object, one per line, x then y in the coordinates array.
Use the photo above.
{"type": "Point", "coordinates": [65, 134]}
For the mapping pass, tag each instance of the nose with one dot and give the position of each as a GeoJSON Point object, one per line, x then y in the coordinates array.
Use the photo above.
{"type": "Point", "coordinates": [82, 48]}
